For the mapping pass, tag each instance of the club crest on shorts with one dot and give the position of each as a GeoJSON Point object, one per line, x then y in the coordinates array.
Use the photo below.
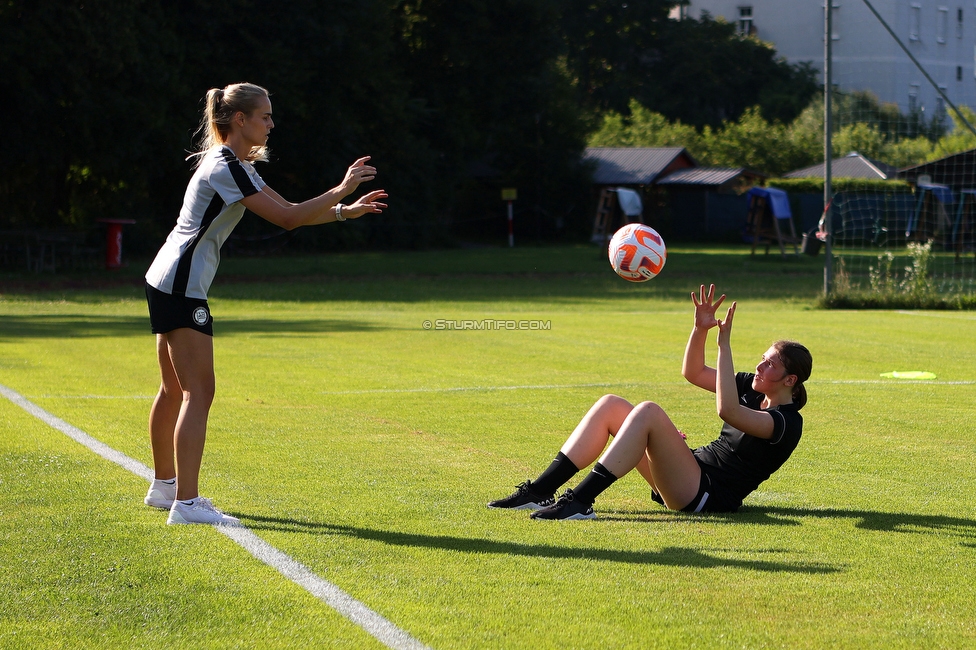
{"type": "Point", "coordinates": [201, 316]}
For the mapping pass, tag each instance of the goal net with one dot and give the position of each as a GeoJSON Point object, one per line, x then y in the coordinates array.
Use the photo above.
{"type": "Point", "coordinates": [903, 207]}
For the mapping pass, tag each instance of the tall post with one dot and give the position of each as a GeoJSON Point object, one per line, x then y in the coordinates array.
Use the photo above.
{"type": "Point", "coordinates": [828, 153]}
{"type": "Point", "coordinates": [511, 227]}
{"type": "Point", "coordinates": [509, 195]}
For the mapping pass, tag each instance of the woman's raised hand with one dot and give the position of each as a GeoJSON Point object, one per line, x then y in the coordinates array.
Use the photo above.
{"type": "Point", "coordinates": [366, 203]}
{"type": "Point", "coordinates": [358, 172]}
{"type": "Point", "coordinates": [725, 326]}
{"type": "Point", "coordinates": [706, 306]}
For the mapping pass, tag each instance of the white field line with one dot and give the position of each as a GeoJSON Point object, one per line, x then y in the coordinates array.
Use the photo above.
{"type": "Point", "coordinates": [92, 396]}
{"type": "Point", "coordinates": [894, 382]}
{"type": "Point", "coordinates": [459, 389]}
{"type": "Point", "coordinates": [950, 316]}
{"type": "Point", "coordinates": [376, 625]}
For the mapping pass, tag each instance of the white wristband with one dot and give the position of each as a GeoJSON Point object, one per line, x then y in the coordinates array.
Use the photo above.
{"type": "Point", "coordinates": [339, 216]}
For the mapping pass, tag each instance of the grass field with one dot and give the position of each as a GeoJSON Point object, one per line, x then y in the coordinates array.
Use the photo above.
{"type": "Point", "coordinates": [365, 447]}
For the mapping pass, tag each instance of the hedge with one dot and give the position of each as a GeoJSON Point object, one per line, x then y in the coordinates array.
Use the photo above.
{"type": "Point", "coordinates": [814, 185]}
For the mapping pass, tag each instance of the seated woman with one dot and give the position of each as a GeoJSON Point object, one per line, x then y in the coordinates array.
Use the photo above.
{"type": "Point", "coordinates": [762, 426]}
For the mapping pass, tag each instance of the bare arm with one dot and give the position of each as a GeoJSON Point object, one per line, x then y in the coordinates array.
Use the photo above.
{"type": "Point", "coordinates": [743, 418]}
{"type": "Point", "coordinates": [274, 195]}
{"type": "Point", "coordinates": [269, 205]}
{"type": "Point", "coordinates": [693, 366]}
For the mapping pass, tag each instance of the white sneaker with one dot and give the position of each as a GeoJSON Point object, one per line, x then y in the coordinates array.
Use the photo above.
{"type": "Point", "coordinates": [198, 511]}
{"type": "Point", "coordinates": [161, 494]}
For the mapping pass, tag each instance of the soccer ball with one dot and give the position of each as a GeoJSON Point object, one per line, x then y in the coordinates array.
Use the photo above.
{"type": "Point", "coordinates": [637, 253]}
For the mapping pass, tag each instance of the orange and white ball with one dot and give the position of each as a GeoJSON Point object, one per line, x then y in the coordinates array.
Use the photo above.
{"type": "Point", "coordinates": [637, 253]}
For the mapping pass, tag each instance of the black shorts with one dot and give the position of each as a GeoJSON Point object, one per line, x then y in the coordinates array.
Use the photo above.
{"type": "Point", "coordinates": [711, 497]}
{"type": "Point", "coordinates": [168, 312]}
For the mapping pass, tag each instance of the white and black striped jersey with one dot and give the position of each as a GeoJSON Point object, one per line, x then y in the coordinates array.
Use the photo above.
{"type": "Point", "coordinates": [187, 262]}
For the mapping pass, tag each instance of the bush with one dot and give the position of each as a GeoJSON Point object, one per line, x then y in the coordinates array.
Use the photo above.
{"type": "Point", "coordinates": [815, 185]}
{"type": "Point", "coordinates": [914, 288]}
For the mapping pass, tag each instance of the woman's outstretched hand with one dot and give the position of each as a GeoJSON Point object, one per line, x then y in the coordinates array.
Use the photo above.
{"type": "Point", "coordinates": [358, 172]}
{"type": "Point", "coordinates": [706, 306]}
{"type": "Point", "coordinates": [725, 326]}
{"type": "Point", "coordinates": [364, 204]}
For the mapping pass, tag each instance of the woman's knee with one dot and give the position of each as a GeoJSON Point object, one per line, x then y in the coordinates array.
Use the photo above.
{"type": "Point", "coordinates": [201, 391]}
{"type": "Point", "coordinates": [649, 413]}
{"type": "Point", "coordinates": [170, 393]}
{"type": "Point", "coordinates": [613, 402]}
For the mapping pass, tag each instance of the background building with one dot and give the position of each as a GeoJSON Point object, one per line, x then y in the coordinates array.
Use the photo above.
{"type": "Point", "coordinates": [940, 35]}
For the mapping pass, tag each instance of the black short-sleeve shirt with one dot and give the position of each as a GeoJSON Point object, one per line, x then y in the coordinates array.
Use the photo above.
{"type": "Point", "coordinates": [739, 462]}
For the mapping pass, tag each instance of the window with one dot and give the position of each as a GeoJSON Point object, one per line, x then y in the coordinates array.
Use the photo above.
{"type": "Point", "coordinates": [959, 22]}
{"type": "Point", "coordinates": [915, 22]}
{"type": "Point", "coordinates": [943, 25]}
{"type": "Point", "coordinates": [746, 27]}
{"type": "Point", "coordinates": [958, 73]}
{"type": "Point", "coordinates": [913, 99]}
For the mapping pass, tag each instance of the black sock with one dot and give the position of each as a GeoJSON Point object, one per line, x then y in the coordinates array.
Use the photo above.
{"type": "Point", "coordinates": [598, 480]}
{"type": "Point", "coordinates": [556, 475]}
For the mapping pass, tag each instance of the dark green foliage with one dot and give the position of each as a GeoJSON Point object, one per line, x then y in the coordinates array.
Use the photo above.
{"type": "Point", "coordinates": [453, 100]}
{"type": "Point", "coordinates": [871, 300]}
{"type": "Point", "coordinates": [611, 48]}
{"type": "Point", "coordinates": [864, 107]}
{"type": "Point", "coordinates": [706, 74]}
{"type": "Point", "coordinates": [816, 185]}
{"type": "Point", "coordinates": [497, 109]}
{"type": "Point", "coordinates": [80, 82]}
{"type": "Point", "coordinates": [698, 72]}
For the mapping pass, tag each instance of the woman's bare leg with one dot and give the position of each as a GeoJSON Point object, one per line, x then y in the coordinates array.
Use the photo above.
{"type": "Point", "coordinates": [600, 423]}
{"type": "Point", "coordinates": [191, 353]}
{"type": "Point", "coordinates": [164, 414]}
{"type": "Point", "coordinates": [648, 437]}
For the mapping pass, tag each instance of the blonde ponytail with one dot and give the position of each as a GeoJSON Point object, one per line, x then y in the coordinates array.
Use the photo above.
{"type": "Point", "coordinates": [219, 108]}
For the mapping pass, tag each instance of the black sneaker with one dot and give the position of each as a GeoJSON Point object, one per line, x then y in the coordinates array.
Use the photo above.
{"type": "Point", "coordinates": [567, 507]}
{"type": "Point", "coordinates": [524, 499]}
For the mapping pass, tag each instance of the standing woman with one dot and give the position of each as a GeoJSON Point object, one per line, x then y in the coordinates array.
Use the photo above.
{"type": "Point", "coordinates": [761, 419]}
{"type": "Point", "coordinates": [233, 136]}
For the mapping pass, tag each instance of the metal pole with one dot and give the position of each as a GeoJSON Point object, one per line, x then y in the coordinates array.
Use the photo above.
{"type": "Point", "coordinates": [511, 229]}
{"type": "Point", "coordinates": [828, 153]}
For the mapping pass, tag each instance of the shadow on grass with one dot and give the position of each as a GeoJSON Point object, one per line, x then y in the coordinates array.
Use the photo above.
{"type": "Point", "coordinates": [555, 274]}
{"type": "Point", "coordinates": [669, 556]}
{"type": "Point", "coordinates": [896, 522]}
{"type": "Point", "coordinates": [95, 326]}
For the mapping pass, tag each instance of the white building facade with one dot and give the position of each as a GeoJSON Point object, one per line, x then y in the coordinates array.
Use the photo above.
{"type": "Point", "coordinates": [940, 35]}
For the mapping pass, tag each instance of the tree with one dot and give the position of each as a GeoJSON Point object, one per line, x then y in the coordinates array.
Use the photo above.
{"type": "Point", "coordinates": [751, 142]}
{"type": "Point", "coordinates": [106, 94]}
{"type": "Point", "coordinates": [699, 72]}
{"type": "Point", "coordinates": [644, 128]}
{"type": "Point", "coordinates": [705, 74]}
{"type": "Point", "coordinates": [454, 99]}
{"type": "Point", "coordinates": [82, 86]}
{"type": "Point", "coordinates": [610, 48]}
{"type": "Point", "coordinates": [498, 107]}
{"type": "Point", "coordinates": [959, 139]}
